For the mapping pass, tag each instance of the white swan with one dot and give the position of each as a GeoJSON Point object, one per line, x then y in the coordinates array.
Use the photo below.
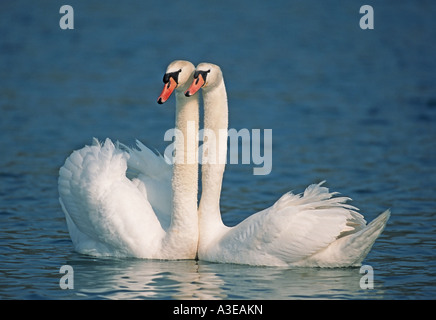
{"type": "Point", "coordinates": [314, 229]}
{"type": "Point", "coordinates": [152, 215]}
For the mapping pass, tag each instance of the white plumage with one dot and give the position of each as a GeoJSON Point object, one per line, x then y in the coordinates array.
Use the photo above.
{"type": "Point", "coordinates": [313, 229]}
{"type": "Point", "coordinates": [128, 202]}
{"type": "Point", "coordinates": [107, 213]}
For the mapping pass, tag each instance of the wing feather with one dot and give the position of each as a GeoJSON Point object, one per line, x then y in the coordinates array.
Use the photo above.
{"type": "Point", "coordinates": [295, 227]}
{"type": "Point", "coordinates": [154, 176]}
{"type": "Point", "coordinates": [103, 206]}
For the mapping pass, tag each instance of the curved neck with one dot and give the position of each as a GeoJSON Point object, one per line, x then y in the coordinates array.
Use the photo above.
{"type": "Point", "coordinates": [183, 230]}
{"type": "Point", "coordinates": [214, 156]}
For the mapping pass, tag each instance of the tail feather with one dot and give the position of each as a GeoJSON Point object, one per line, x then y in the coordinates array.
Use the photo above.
{"type": "Point", "coordinates": [352, 249]}
{"type": "Point", "coordinates": [363, 240]}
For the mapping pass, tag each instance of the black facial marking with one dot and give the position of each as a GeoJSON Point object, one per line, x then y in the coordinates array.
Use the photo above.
{"type": "Point", "coordinates": [203, 74]}
{"type": "Point", "coordinates": [174, 75]}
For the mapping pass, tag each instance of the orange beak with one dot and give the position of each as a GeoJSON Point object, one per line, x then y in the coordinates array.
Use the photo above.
{"type": "Point", "coordinates": [195, 86]}
{"type": "Point", "coordinates": [167, 91]}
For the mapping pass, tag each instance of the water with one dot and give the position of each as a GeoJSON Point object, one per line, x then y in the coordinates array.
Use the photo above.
{"type": "Point", "coordinates": [356, 108]}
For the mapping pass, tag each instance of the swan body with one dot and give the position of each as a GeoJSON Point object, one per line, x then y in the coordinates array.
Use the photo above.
{"type": "Point", "coordinates": [128, 202]}
{"type": "Point", "coordinates": [313, 229]}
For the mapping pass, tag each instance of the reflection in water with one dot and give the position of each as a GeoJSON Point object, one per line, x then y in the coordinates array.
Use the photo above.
{"type": "Point", "coordinates": [144, 279]}
{"type": "Point", "coordinates": [189, 279]}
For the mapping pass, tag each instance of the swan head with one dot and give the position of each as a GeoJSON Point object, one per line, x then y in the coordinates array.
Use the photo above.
{"type": "Point", "coordinates": [206, 76]}
{"type": "Point", "coordinates": [178, 76]}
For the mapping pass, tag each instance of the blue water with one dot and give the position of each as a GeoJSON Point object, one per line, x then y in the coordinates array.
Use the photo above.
{"type": "Point", "coordinates": [354, 107]}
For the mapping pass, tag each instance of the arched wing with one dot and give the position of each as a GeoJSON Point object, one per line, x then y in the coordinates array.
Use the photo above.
{"type": "Point", "coordinates": [294, 228]}
{"type": "Point", "coordinates": [107, 213]}
{"type": "Point", "coordinates": [154, 174]}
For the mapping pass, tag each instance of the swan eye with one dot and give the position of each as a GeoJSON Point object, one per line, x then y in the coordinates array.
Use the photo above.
{"type": "Point", "coordinates": [174, 75]}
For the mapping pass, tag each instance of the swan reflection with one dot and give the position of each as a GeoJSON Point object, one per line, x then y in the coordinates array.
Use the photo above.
{"type": "Point", "coordinates": [198, 280]}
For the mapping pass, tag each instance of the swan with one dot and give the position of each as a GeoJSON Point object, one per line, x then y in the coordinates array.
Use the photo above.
{"type": "Point", "coordinates": [313, 229]}
{"type": "Point", "coordinates": [153, 213]}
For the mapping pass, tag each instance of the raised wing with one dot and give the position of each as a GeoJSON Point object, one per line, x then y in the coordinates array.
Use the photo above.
{"type": "Point", "coordinates": [107, 213]}
{"type": "Point", "coordinates": [155, 175]}
{"type": "Point", "coordinates": [294, 228]}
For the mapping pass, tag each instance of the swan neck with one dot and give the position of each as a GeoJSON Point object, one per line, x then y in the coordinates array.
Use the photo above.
{"type": "Point", "coordinates": [214, 156]}
{"type": "Point", "coordinates": [184, 219]}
